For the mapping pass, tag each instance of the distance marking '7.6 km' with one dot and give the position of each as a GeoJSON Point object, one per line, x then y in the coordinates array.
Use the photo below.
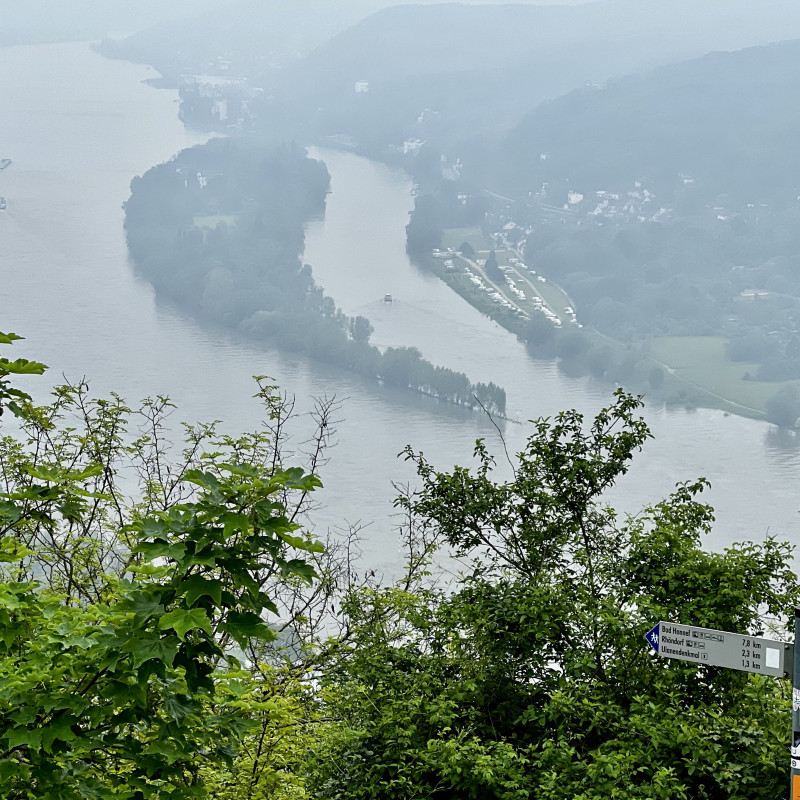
{"type": "Point", "coordinates": [712, 648]}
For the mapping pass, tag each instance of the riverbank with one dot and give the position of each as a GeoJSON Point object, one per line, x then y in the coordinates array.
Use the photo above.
{"type": "Point", "coordinates": [691, 370]}
{"type": "Point", "coordinates": [677, 371]}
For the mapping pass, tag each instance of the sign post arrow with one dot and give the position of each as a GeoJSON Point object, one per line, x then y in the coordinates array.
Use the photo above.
{"type": "Point", "coordinates": [652, 636]}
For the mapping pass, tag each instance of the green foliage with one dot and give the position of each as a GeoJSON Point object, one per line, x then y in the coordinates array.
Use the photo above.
{"type": "Point", "coordinates": [529, 676]}
{"type": "Point", "coordinates": [404, 366]}
{"type": "Point", "coordinates": [10, 397]}
{"type": "Point", "coordinates": [123, 622]}
{"type": "Point", "coordinates": [783, 408]}
{"type": "Point", "coordinates": [466, 249]}
{"type": "Point", "coordinates": [438, 210]}
{"type": "Point", "coordinates": [681, 127]}
{"type": "Point", "coordinates": [192, 641]}
{"type": "Point", "coordinates": [493, 268]}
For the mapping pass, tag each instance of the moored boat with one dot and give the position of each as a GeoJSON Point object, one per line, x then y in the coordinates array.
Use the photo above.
{"type": "Point", "coordinates": [2, 204]}
{"type": "Point", "coordinates": [5, 162]}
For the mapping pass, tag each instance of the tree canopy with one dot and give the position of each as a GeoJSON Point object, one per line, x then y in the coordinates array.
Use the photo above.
{"type": "Point", "coordinates": [528, 675]}
{"type": "Point", "coordinates": [168, 629]}
{"type": "Point", "coordinates": [130, 626]}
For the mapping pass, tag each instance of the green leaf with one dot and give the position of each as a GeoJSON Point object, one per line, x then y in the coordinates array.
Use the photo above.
{"type": "Point", "coordinates": [60, 731]}
{"type": "Point", "coordinates": [23, 736]}
{"type": "Point", "coordinates": [161, 549]}
{"type": "Point", "coordinates": [301, 568]}
{"type": "Point", "coordinates": [244, 625]}
{"type": "Point", "coordinates": [17, 410]}
{"type": "Point", "coordinates": [205, 479]}
{"type": "Point", "coordinates": [168, 749]}
{"type": "Point", "coordinates": [22, 366]}
{"type": "Point", "coordinates": [196, 586]}
{"type": "Point", "coordinates": [11, 768]}
{"type": "Point", "coordinates": [143, 605]}
{"type": "Point", "coordinates": [302, 544]}
{"type": "Point", "coordinates": [151, 646]}
{"type": "Point", "coordinates": [234, 523]}
{"type": "Point", "coordinates": [11, 549]}
{"type": "Point", "coordinates": [9, 512]}
{"type": "Point", "coordinates": [184, 620]}
{"type": "Point", "coordinates": [178, 706]}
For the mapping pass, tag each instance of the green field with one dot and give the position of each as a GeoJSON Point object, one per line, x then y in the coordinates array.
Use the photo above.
{"type": "Point", "coordinates": [212, 220]}
{"type": "Point", "coordinates": [455, 237]}
{"type": "Point", "coordinates": [701, 360]}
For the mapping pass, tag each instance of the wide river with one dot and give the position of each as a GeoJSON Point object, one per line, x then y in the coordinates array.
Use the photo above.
{"type": "Point", "coordinates": [79, 127]}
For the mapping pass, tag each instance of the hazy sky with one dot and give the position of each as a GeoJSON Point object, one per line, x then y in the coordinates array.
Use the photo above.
{"type": "Point", "coordinates": [26, 20]}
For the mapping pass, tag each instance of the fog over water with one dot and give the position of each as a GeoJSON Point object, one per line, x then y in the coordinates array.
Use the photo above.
{"type": "Point", "coordinates": [79, 127]}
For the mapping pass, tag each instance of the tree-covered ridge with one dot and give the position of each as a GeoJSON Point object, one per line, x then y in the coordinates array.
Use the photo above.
{"type": "Point", "coordinates": [220, 230]}
{"type": "Point", "coordinates": [180, 635]}
{"type": "Point", "coordinates": [718, 125]}
{"type": "Point", "coordinates": [471, 68]}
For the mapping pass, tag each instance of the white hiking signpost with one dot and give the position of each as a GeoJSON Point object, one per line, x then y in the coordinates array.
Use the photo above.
{"type": "Point", "coordinates": [712, 648]}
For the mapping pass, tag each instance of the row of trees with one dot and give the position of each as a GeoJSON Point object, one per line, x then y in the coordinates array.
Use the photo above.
{"type": "Point", "coordinates": [168, 628]}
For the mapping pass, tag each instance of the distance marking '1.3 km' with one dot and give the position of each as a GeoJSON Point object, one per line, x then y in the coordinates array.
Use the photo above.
{"type": "Point", "coordinates": [712, 648]}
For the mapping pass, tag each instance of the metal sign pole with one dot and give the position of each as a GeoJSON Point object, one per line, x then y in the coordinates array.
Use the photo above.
{"type": "Point", "coordinates": [794, 793]}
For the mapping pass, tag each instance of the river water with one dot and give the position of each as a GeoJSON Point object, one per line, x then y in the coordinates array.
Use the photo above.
{"type": "Point", "coordinates": [79, 127]}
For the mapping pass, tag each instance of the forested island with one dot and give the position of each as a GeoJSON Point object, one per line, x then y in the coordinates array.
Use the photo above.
{"type": "Point", "coordinates": [219, 230]}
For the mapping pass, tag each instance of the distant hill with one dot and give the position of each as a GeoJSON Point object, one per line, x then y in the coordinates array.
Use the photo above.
{"type": "Point", "coordinates": [725, 124]}
{"type": "Point", "coordinates": [472, 66]}
{"type": "Point", "coordinates": [484, 67]}
{"type": "Point", "coordinates": [248, 34]}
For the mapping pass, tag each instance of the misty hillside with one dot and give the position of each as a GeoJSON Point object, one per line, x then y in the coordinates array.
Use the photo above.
{"type": "Point", "coordinates": [248, 33]}
{"type": "Point", "coordinates": [44, 20]}
{"type": "Point", "coordinates": [725, 123]}
{"type": "Point", "coordinates": [484, 67]}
